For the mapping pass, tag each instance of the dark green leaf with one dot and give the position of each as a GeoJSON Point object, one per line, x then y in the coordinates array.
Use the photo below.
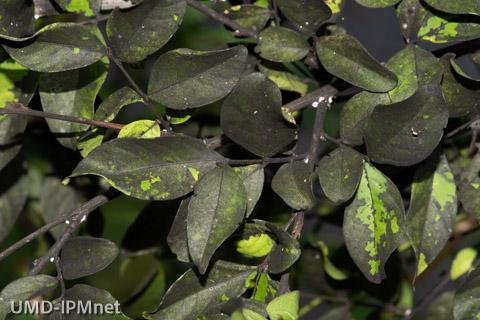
{"type": "Point", "coordinates": [184, 78]}
{"type": "Point", "coordinates": [458, 6]}
{"type": "Point", "coordinates": [411, 15]}
{"type": "Point", "coordinates": [285, 252]}
{"type": "Point", "coordinates": [137, 33]}
{"type": "Point", "coordinates": [441, 308]}
{"type": "Point", "coordinates": [466, 304]}
{"type": "Point", "coordinates": [281, 44]}
{"type": "Point", "coordinates": [84, 256]}
{"type": "Point", "coordinates": [177, 237]}
{"type": "Point", "coordinates": [16, 18]}
{"type": "Point", "coordinates": [27, 288]}
{"type": "Point", "coordinates": [407, 132]}
{"type": "Point", "coordinates": [307, 15]}
{"type": "Point", "coordinates": [249, 16]}
{"type": "Point", "coordinates": [190, 296]}
{"type": "Point", "coordinates": [469, 188]}
{"type": "Point", "coordinates": [111, 106]}
{"type": "Point", "coordinates": [215, 211]}
{"type": "Point", "coordinates": [11, 129]}
{"type": "Point", "coordinates": [377, 3]}
{"type": "Point", "coordinates": [373, 223]}
{"type": "Point", "coordinates": [433, 209]}
{"type": "Point", "coordinates": [293, 183]}
{"type": "Point", "coordinates": [253, 179]}
{"type": "Point", "coordinates": [251, 116]}
{"type": "Point", "coordinates": [88, 8]}
{"type": "Point", "coordinates": [339, 173]}
{"type": "Point", "coordinates": [71, 93]}
{"type": "Point", "coordinates": [285, 80]}
{"type": "Point", "coordinates": [59, 47]}
{"type": "Point", "coordinates": [160, 169]}
{"type": "Point", "coordinates": [12, 200]}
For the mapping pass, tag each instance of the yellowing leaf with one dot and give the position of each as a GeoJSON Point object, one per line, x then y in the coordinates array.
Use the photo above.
{"type": "Point", "coordinates": [256, 245]}
{"type": "Point", "coordinates": [284, 307]}
{"type": "Point", "coordinates": [463, 262]}
{"type": "Point", "coordinates": [146, 129]}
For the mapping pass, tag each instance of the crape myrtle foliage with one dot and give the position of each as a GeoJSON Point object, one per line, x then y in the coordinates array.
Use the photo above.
{"type": "Point", "coordinates": [286, 171]}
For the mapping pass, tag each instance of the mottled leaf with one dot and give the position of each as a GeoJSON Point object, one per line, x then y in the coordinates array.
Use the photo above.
{"type": "Point", "coordinates": [191, 295]}
{"type": "Point", "coordinates": [463, 263]}
{"type": "Point", "coordinates": [137, 33]}
{"type": "Point", "coordinates": [344, 56]}
{"type": "Point", "coordinates": [111, 106]}
{"type": "Point", "coordinates": [407, 132]}
{"type": "Point", "coordinates": [88, 8]}
{"type": "Point", "coordinates": [13, 197]}
{"type": "Point", "coordinates": [281, 44]}
{"type": "Point", "coordinates": [215, 211]}
{"type": "Point", "coordinates": [307, 15]}
{"type": "Point", "coordinates": [160, 169]}
{"type": "Point", "coordinates": [377, 3]}
{"type": "Point", "coordinates": [458, 6]}
{"type": "Point", "coordinates": [447, 28]}
{"type": "Point", "coordinates": [466, 304]}
{"type": "Point", "coordinates": [251, 116]}
{"type": "Point", "coordinates": [144, 129]}
{"type": "Point", "coordinates": [433, 209]}
{"type": "Point", "coordinates": [285, 306]}
{"type": "Point", "coordinates": [83, 256]}
{"type": "Point", "coordinates": [285, 80]}
{"type": "Point", "coordinates": [184, 78]}
{"type": "Point", "coordinates": [293, 183]}
{"type": "Point", "coordinates": [285, 252]}
{"type": "Point", "coordinates": [17, 19]}
{"type": "Point", "coordinates": [59, 47]}
{"type": "Point", "coordinates": [249, 16]}
{"type": "Point", "coordinates": [339, 173]}
{"type": "Point", "coordinates": [373, 223]}
{"type": "Point", "coordinates": [469, 187]}
{"type": "Point", "coordinates": [253, 177]}
{"type": "Point", "coordinates": [177, 237]}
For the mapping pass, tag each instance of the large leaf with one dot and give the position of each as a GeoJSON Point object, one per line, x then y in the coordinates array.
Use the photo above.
{"type": "Point", "coordinates": [83, 256]}
{"type": "Point", "coordinates": [345, 57]}
{"type": "Point", "coordinates": [251, 116]}
{"type": "Point", "coordinates": [281, 44]}
{"type": "Point", "coordinates": [433, 209]}
{"type": "Point", "coordinates": [71, 93]}
{"type": "Point", "coordinates": [253, 177]}
{"type": "Point", "coordinates": [469, 188]}
{"type": "Point", "coordinates": [184, 78]}
{"type": "Point", "coordinates": [215, 211]}
{"type": "Point", "coordinates": [377, 3]}
{"type": "Point", "coordinates": [373, 223]}
{"type": "Point", "coordinates": [88, 8]}
{"type": "Point", "coordinates": [458, 6]}
{"type": "Point", "coordinates": [17, 18]}
{"type": "Point", "coordinates": [307, 15]}
{"type": "Point", "coordinates": [12, 200]}
{"type": "Point", "coordinates": [137, 33]}
{"type": "Point", "coordinates": [160, 169]}
{"type": "Point", "coordinates": [339, 173]}
{"type": "Point", "coordinates": [59, 47]}
{"type": "Point", "coordinates": [177, 237]}
{"type": "Point", "coordinates": [467, 299]}
{"type": "Point", "coordinates": [190, 295]}
{"type": "Point", "coordinates": [447, 28]}
{"type": "Point", "coordinates": [407, 132]}
{"type": "Point", "coordinates": [293, 183]}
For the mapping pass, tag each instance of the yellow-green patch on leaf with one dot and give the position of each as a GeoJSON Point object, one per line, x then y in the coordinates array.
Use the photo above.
{"type": "Point", "coordinates": [80, 6]}
{"type": "Point", "coordinates": [256, 246]}
{"type": "Point", "coordinates": [10, 72]}
{"type": "Point", "coordinates": [463, 262]}
{"type": "Point", "coordinates": [145, 129]}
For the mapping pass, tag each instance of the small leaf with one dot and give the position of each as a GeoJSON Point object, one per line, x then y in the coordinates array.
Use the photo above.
{"type": "Point", "coordinates": [285, 252]}
{"type": "Point", "coordinates": [84, 256]}
{"type": "Point", "coordinates": [345, 57]}
{"type": "Point", "coordinates": [377, 3]}
{"type": "Point", "coordinates": [458, 7]}
{"type": "Point", "coordinates": [373, 223]}
{"type": "Point", "coordinates": [307, 15]}
{"type": "Point", "coordinates": [466, 304]}
{"type": "Point", "coordinates": [59, 47]}
{"type": "Point", "coordinates": [137, 33]}
{"type": "Point", "coordinates": [285, 80]}
{"type": "Point", "coordinates": [27, 288]}
{"type": "Point", "coordinates": [111, 106]}
{"type": "Point", "coordinates": [215, 211]}
{"type": "Point", "coordinates": [17, 18]}
{"type": "Point", "coordinates": [160, 169]}
{"type": "Point", "coordinates": [256, 246]}
{"type": "Point", "coordinates": [334, 5]}
{"type": "Point", "coordinates": [407, 132]}
{"type": "Point", "coordinates": [249, 16]}
{"type": "Point", "coordinates": [293, 183]}
{"type": "Point", "coordinates": [433, 209]}
{"type": "Point", "coordinates": [463, 263]}
{"type": "Point", "coordinates": [190, 296]}
{"type": "Point", "coordinates": [184, 78]}
{"type": "Point", "coordinates": [411, 15]}
{"type": "Point", "coordinates": [88, 8]}
{"type": "Point", "coordinates": [253, 177]}
{"type": "Point", "coordinates": [251, 116]}
{"type": "Point", "coordinates": [469, 188]}
{"type": "Point", "coordinates": [280, 44]}
{"type": "Point", "coordinates": [284, 307]}
{"type": "Point", "coordinates": [12, 200]}
{"type": "Point", "coordinates": [145, 129]}
{"type": "Point", "coordinates": [177, 237]}
{"type": "Point", "coordinates": [339, 173]}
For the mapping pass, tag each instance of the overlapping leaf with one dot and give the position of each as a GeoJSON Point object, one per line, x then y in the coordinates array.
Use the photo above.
{"type": "Point", "coordinates": [293, 183]}
{"type": "Point", "coordinates": [458, 7]}
{"type": "Point", "coordinates": [13, 196]}
{"type": "Point", "coordinates": [281, 44]}
{"type": "Point", "coordinates": [469, 187]}
{"type": "Point", "coordinates": [377, 3]}
{"type": "Point", "coordinates": [285, 252]}
{"type": "Point", "coordinates": [307, 15]}
{"type": "Point", "coordinates": [17, 18]}
{"type": "Point", "coordinates": [253, 177]}
{"type": "Point", "coordinates": [88, 8]}
{"type": "Point", "coordinates": [467, 299]}
{"type": "Point", "coordinates": [249, 16]}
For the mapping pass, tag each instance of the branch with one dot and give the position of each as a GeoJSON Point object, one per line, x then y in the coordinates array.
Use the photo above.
{"type": "Point", "coordinates": [239, 30]}
{"type": "Point", "coordinates": [77, 216]}
{"type": "Point", "coordinates": [300, 103]}
{"type": "Point", "coordinates": [263, 160]}
{"type": "Point", "coordinates": [20, 109]}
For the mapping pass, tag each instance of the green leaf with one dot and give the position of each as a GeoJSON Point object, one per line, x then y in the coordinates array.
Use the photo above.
{"type": "Point", "coordinates": [111, 106]}
{"type": "Point", "coordinates": [447, 28]}
{"type": "Point", "coordinates": [344, 56]}
{"type": "Point", "coordinates": [253, 177]}
{"type": "Point", "coordinates": [249, 16]}
{"type": "Point", "coordinates": [252, 113]}
{"type": "Point", "coordinates": [339, 173]}
{"type": "Point", "coordinates": [137, 33]}
{"type": "Point", "coordinates": [11, 127]}
{"type": "Point", "coordinates": [88, 8]}
{"type": "Point", "coordinates": [307, 15]}
{"type": "Point", "coordinates": [373, 223]}
{"type": "Point", "coordinates": [466, 304]}
{"type": "Point", "coordinates": [27, 288]}
{"type": "Point", "coordinates": [433, 209]}
{"type": "Point", "coordinates": [411, 15]}
{"type": "Point", "coordinates": [13, 197]}
{"type": "Point", "coordinates": [280, 44]}
{"type": "Point", "coordinates": [256, 246]}
{"type": "Point", "coordinates": [407, 132]}
{"type": "Point", "coordinates": [377, 3]}
{"type": "Point", "coordinates": [328, 266]}
{"type": "Point", "coordinates": [84, 256]}
{"type": "Point", "coordinates": [463, 262]}
{"type": "Point", "coordinates": [144, 129]}
{"type": "Point", "coordinates": [17, 18]}
{"type": "Point", "coordinates": [285, 80]}
{"type": "Point", "coordinates": [17, 84]}
{"type": "Point", "coordinates": [285, 252]}
{"type": "Point", "coordinates": [458, 7]}
{"type": "Point", "coordinates": [190, 296]}
{"type": "Point", "coordinates": [247, 314]}
{"type": "Point", "coordinates": [469, 187]}
{"type": "Point", "coordinates": [161, 169]}
{"type": "Point", "coordinates": [334, 5]}
{"type": "Point", "coordinates": [71, 93]}
{"type": "Point", "coordinates": [442, 307]}
{"type": "Point", "coordinates": [177, 237]}
{"type": "Point", "coordinates": [293, 183]}
{"type": "Point", "coordinates": [215, 211]}
{"type": "Point", "coordinates": [185, 78]}
{"type": "Point", "coordinates": [59, 47]}
{"type": "Point", "coordinates": [284, 307]}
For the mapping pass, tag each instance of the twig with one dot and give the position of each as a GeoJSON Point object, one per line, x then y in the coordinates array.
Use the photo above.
{"type": "Point", "coordinates": [263, 160]}
{"type": "Point", "coordinates": [461, 128]}
{"type": "Point", "coordinates": [239, 30]}
{"type": "Point", "coordinates": [300, 103]}
{"type": "Point", "coordinates": [60, 278]}
{"type": "Point", "coordinates": [273, 7]}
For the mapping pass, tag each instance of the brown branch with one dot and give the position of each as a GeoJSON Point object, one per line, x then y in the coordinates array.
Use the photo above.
{"type": "Point", "coordinates": [300, 103]}
{"type": "Point", "coordinates": [239, 30]}
{"type": "Point", "coordinates": [263, 160]}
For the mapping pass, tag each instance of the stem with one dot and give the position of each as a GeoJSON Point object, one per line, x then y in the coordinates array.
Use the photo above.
{"type": "Point", "coordinates": [263, 160]}
{"type": "Point", "coordinates": [300, 103]}
{"type": "Point", "coordinates": [239, 30]}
